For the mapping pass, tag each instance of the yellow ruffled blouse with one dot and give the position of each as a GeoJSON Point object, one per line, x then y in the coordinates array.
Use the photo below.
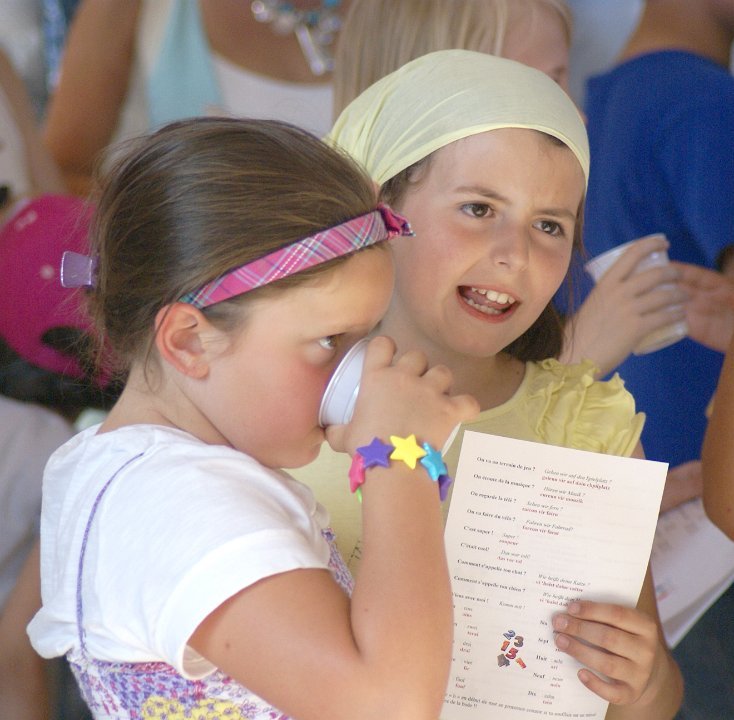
{"type": "Point", "coordinates": [555, 404]}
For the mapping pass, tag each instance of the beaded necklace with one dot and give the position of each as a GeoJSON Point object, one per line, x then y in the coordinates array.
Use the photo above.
{"type": "Point", "coordinates": [315, 29]}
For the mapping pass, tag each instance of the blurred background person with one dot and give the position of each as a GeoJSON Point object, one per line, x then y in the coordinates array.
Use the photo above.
{"type": "Point", "coordinates": [131, 66]}
{"type": "Point", "coordinates": [660, 129]}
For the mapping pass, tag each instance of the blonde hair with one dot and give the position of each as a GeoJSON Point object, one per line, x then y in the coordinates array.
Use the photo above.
{"type": "Point", "coordinates": [379, 36]}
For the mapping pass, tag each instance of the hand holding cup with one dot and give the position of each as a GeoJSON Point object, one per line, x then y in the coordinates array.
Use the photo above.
{"type": "Point", "coordinates": [655, 294]}
{"type": "Point", "coordinates": [636, 304]}
{"type": "Point", "coordinates": [369, 396]}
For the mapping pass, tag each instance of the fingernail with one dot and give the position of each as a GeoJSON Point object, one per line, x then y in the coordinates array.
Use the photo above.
{"type": "Point", "coordinates": [573, 608]}
{"type": "Point", "coordinates": [562, 642]}
{"type": "Point", "coordinates": [560, 622]}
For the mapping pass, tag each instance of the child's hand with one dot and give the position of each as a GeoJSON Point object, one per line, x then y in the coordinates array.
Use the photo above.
{"type": "Point", "coordinates": [624, 307]}
{"type": "Point", "coordinates": [622, 644]}
{"type": "Point", "coordinates": [404, 398]}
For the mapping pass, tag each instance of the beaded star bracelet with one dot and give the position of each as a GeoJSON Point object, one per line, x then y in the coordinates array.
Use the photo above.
{"type": "Point", "coordinates": [378, 453]}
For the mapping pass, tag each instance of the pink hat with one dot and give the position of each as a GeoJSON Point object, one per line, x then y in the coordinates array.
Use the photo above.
{"type": "Point", "coordinates": [32, 242]}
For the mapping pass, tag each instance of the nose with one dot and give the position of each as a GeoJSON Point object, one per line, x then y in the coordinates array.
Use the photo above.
{"type": "Point", "coordinates": [509, 248]}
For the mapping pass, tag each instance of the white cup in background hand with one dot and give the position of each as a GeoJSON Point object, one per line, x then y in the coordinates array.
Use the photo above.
{"type": "Point", "coordinates": [664, 336]}
{"type": "Point", "coordinates": [340, 396]}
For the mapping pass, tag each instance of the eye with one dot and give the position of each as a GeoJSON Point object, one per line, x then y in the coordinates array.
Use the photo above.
{"type": "Point", "coordinates": [477, 210]}
{"type": "Point", "coordinates": [551, 228]}
{"type": "Point", "coordinates": [330, 342]}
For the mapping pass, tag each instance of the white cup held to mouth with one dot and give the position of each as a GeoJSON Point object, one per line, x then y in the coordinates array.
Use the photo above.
{"type": "Point", "coordinates": [662, 337]}
{"type": "Point", "coordinates": [340, 396]}
{"type": "Point", "coordinates": [337, 405]}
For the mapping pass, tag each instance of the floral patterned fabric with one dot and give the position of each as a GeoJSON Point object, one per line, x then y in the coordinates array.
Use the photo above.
{"type": "Point", "coordinates": [156, 691]}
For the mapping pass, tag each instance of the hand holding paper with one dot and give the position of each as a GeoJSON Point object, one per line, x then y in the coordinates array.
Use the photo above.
{"type": "Point", "coordinates": [534, 530]}
{"type": "Point", "coordinates": [619, 644]}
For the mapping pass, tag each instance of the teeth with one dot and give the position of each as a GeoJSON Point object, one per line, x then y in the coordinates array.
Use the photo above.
{"type": "Point", "coordinates": [501, 298]}
{"type": "Point", "coordinates": [483, 308]}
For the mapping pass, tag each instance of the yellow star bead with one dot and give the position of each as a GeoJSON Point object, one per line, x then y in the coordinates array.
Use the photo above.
{"type": "Point", "coordinates": [407, 450]}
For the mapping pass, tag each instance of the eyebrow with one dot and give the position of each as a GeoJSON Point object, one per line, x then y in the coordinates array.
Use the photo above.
{"type": "Point", "coordinates": [492, 195]}
{"type": "Point", "coordinates": [480, 190]}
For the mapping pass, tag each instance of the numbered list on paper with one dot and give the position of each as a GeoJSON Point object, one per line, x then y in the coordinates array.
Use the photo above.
{"type": "Point", "coordinates": [530, 528]}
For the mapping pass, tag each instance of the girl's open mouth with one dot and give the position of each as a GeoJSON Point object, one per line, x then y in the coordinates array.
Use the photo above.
{"type": "Point", "coordinates": [488, 302]}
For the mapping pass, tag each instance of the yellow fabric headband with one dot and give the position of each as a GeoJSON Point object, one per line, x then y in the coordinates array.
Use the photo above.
{"type": "Point", "coordinates": [448, 95]}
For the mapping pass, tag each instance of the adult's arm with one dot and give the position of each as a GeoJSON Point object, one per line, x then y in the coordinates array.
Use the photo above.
{"type": "Point", "coordinates": [24, 692]}
{"type": "Point", "coordinates": [717, 456]}
{"type": "Point", "coordinates": [42, 171]}
{"type": "Point", "coordinates": [85, 106]}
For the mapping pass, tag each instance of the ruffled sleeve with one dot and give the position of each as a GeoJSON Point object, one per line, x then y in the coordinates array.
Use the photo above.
{"type": "Point", "coordinates": [569, 407]}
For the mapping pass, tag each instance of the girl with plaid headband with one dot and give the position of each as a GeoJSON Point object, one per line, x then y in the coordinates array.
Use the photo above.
{"type": "Point", "coordinates": [183, 573]}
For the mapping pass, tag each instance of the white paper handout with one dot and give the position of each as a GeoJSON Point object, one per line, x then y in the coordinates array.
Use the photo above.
{"type": "Point", "coordinates": [685, 585]}
{"type": "Point", "coordinates": [531, 527]}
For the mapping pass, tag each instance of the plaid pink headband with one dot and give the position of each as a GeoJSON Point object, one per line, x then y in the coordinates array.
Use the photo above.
{"type": "Point", "coordinates": [381, 224]}
{"type": "Point", "coordinates": [360, 232]}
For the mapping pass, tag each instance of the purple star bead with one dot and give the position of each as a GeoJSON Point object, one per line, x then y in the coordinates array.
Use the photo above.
{"type": "Point", "coordinates": [376, 453]}
{"type": "Point", "coordinates": [444, 481]}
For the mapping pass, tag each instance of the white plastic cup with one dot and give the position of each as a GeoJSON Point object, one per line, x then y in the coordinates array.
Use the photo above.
{"type": "Point", "coordinates": [337, 405]}
{"type": "Point", "coordinates": [340, 396]}
{"type": "Point", "coordinates": [658, 339]}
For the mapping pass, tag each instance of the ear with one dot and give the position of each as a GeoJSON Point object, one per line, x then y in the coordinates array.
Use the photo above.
{"type": "Point", "coordinates": [179, 339]}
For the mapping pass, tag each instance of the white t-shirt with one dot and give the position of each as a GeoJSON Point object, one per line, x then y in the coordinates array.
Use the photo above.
{"type": "Point", "coordinates": [28, 435]}
{"type": "Point", "coordinates": [181, 527]}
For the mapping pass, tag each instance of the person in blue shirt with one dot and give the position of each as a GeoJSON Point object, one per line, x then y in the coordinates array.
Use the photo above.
{"type": "Point", "coordinates": [661, 134]}
{"type": "Point", "coordinates": [660, 130]}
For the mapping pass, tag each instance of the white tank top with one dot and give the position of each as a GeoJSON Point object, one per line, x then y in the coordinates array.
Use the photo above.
{"type": "Point", "coordinates": [242, 93]}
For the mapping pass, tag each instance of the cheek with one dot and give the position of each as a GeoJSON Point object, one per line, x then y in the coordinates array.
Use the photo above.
{"type": "Point", "coordinates": [554, 266]}
{"type": "Point", "coordinates": [414, 283]}
{"type": "Point", "coordinates": [298, 391]}
{"type": "Point", "coordinates": [424, 260]}
{"type": "Point", "coordinates": [312, 381]}
{"type": "Point", "coordinates": [294, 411]}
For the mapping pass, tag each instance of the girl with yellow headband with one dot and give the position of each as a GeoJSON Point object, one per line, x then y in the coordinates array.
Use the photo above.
{"type": "Point", "coordinates": [489, 160]}
{"type": "Point", "coordinates": [379, 36]}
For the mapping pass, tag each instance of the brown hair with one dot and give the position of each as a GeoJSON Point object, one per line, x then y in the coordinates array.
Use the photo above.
{"type": "Point", "coordinates": [379, 36]}
{"type": "Point", "coordinates": [544, 338]}
{"type": "Point", "coordinates": [200, 197]}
